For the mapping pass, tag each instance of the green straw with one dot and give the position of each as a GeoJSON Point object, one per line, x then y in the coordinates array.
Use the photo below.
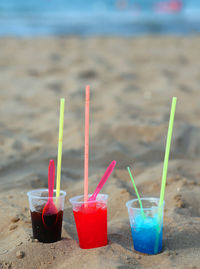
{"type": "Point", "coordinates": [136, 191]}
{"type": "Point", "coordinates": [165, 166]}
{"type": "Point", "coordinates": [167, 150]}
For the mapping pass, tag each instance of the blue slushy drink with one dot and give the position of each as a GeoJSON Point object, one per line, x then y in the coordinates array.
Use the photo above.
{"type": "Point", "coordinates": [144, 234]}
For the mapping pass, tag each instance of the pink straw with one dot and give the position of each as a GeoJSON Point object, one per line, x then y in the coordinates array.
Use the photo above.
{"type": "Point", "coordinates": [87, 108]}
{"type": "Point", "coordinates": [103, 180]}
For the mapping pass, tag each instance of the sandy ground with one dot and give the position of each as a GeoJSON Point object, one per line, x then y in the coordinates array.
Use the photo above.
{"type": "Point", "coordinates": [132, 83]}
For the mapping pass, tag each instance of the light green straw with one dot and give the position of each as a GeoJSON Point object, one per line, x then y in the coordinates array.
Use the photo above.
{"type": "Point", "coordinates": [136, 191]}
{"type": "Point", "coordinates": [167, 151]}
{"type": "Point", "coordinates": [165, 166]}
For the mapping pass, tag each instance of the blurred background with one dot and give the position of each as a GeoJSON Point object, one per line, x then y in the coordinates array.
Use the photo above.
{"type": "Point", "coordinates": [89, 17]}
{"type": "Point", "coordinates": [136, 55]}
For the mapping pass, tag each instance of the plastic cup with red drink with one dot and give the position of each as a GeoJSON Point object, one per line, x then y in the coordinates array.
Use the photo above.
{"type": "Point", "coordinates": [91, 220]}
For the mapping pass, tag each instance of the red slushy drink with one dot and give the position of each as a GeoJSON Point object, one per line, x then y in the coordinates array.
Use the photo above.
{"type": "Point", "coordinates": [91, 221]}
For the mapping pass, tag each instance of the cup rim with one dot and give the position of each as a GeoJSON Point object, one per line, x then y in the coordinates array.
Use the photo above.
{"type": "Point", "coordinates": [144, 199]}
{"type": "Point", "coordinates": [74, 199]}
{"type": "Point", "coordinates": [31, 193]}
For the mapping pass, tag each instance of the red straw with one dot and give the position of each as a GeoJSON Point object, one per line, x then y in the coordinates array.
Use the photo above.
{"type": "Point", "coordinates": [87, 107]}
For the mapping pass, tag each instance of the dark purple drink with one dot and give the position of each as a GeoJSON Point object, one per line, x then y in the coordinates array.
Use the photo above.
{"type": "Point", "coordinates": [47, 229]}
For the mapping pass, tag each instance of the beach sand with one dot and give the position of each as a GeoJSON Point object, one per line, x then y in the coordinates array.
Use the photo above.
{"type": "Point", "coordinates": [132, 83]}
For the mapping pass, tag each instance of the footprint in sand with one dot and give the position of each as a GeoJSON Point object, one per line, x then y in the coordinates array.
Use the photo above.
{"type": "Point", "coordinates": [39, 182]}
{"type": "Point", "coordinates": [187, 203]}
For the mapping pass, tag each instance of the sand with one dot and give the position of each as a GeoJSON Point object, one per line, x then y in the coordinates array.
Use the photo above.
{"type": "Point", "coordinates": [132, 82]}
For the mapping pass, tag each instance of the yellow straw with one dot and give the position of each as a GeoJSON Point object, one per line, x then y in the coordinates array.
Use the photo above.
{"type": "Point", "coordinates": [60, 139]}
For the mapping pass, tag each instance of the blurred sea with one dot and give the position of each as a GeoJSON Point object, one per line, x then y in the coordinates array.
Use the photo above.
{"type": "Point", "coordinates": [98, 17]}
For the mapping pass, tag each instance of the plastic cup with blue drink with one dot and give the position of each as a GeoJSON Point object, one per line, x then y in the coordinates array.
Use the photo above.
{"type": "Point", "coordinates": [146, 214]}
{"type": "Point", "coordinates": [146, 224]}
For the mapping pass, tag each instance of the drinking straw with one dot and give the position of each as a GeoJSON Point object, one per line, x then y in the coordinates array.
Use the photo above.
{"type": "Point", "coordinates": [60, 139]}
{"type": "Point", "coordinates": [87, 107]}
{"type": "Point", "coordinates": [136, 191]}
{"type": "Point", "coordinates": [167, 150]}
{"type": "Point", "coordinates": [165, 166]}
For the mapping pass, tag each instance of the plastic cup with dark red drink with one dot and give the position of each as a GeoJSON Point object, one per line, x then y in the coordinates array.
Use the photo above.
{"type": "Point", "coordinates": [47, 226]}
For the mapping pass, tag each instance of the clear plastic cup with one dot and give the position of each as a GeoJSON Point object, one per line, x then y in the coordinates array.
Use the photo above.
{"type": "Point", "coordinates": [91, 220]}
{"type": "Point", "coordinates": [146, 230]}
{"type": "Point", "coordinates": [46, 228]}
